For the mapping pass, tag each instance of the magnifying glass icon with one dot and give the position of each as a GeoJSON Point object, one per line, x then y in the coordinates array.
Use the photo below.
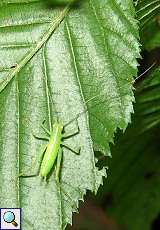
{"type": "Point", "coordinates": [9, 217]}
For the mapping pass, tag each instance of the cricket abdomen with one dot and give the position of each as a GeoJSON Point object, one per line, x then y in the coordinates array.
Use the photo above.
{"type": "Point", "coordinates": [52, 149]}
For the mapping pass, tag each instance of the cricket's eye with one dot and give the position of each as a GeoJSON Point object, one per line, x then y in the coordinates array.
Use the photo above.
{"type": "Point", "coordinates": [63, 129]}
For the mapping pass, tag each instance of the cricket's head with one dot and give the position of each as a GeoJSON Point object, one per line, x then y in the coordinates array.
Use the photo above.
{"type": "Point", "coordinates": [58, 125]}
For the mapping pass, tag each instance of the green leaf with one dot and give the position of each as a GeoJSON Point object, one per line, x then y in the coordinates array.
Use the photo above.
{"type": "Point", "coordinates": [150, 35]}
{"type": "Point", "coordinates": [69, 54]}
{"type": "Point", "coordinates": [147, 10]}
{"type": "Point", "coordinates": [148, 13]}
{"type": "Point", "coordinates": [135, 194]}
{"type": "Point", "coordinates": [148, 98]}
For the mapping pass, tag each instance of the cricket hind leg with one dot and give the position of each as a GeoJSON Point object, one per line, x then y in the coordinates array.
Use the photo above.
{"type": "Point", "coordinates": [72, 203]}
{"type": "Point", "coordinates": [37, 160]}
{"type": "Point", "coordinates": [58, 165]}
{"type": "Point", "coordinates": [69, 134]}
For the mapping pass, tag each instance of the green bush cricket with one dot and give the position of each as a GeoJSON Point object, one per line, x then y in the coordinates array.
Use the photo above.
{"type": "Point", "coordinates": [52, 151]}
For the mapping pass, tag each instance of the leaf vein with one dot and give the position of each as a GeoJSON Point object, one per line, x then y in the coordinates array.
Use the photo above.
{"type": "Point", "coordinates": [32, 23]}
{"type": "Point", "coordinates": [79, 83]}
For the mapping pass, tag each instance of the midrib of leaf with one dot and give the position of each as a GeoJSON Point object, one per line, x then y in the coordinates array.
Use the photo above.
{"type": "Point", "coordinates": [18, 146]}
{"type": "Point", "coordinates": [36, 47]}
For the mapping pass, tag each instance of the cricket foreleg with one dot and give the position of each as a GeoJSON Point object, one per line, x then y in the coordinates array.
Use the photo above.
{"type": "Point", "coordinates": [71, 133]}
{"type": "Point", "coordinates": [58, 168]}
{"type": "Point", "coordinates": [45, 129]}
{"type": "Point", "coordinates": [41, 137]}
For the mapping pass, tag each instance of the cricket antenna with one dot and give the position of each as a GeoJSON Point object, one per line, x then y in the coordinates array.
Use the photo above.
{"type": "Point", "coordinates": [85, 110]}
{"type": "Point", "coordinates": [52, 103]}
{"type": "Point", "coordinates": [146, 71]}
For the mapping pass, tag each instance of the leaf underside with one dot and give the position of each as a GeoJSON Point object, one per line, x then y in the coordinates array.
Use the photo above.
{"type": "Point", "coordinates": [69, 54]}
